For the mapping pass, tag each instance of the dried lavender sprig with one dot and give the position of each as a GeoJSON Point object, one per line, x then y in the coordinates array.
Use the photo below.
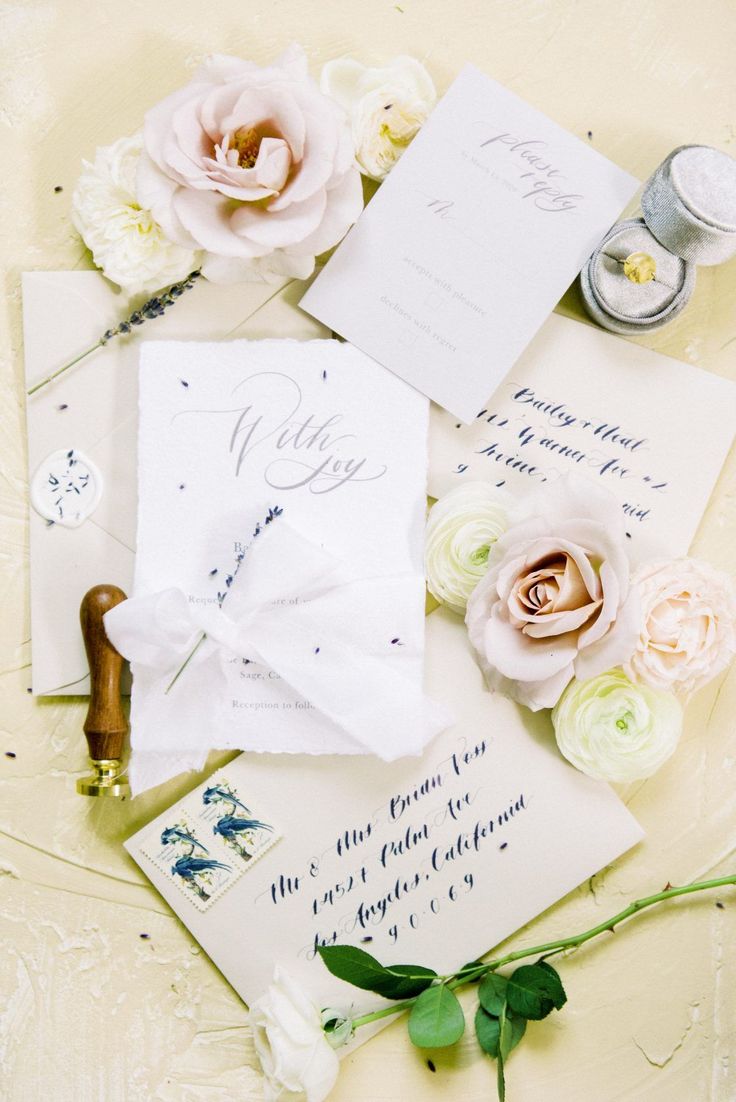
{"type": "Point", "coordinates": [154, 308]}
{"type": "Point", "coordinates": [273, 513]}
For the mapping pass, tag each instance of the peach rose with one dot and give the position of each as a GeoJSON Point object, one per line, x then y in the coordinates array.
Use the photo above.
{"type": "Point", "coordinates": [555, 602]}
{"type": "Point", "coordinates": [688, 625]}
{"type": "Point", "coordinates": [254, 166]}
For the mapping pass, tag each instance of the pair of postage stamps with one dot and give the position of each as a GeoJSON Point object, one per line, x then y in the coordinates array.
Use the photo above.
{"type": "Point", "coordinates": [208, 840]}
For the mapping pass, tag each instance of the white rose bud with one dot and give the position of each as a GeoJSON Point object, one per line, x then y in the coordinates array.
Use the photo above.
{"type": "Point", "coordinates": [461, 529]}
{"type": "Point", "coordinates": [688, 625]}
{"type": "Point", "coordinates": [386, 107]}
{"type": "Point", "coordinates": [123, 237]}
{"type": "Point", "coordinates": [614, 730]}
{"type": "Point", "coordinates": [297, 1059]}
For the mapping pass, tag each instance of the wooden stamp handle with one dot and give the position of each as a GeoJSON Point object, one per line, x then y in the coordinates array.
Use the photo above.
{"type": "Point", "coordinates": [105, 725]}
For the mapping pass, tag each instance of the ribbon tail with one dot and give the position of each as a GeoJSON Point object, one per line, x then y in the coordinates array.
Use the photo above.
{"type": "Point", "coordinates": [384, 712]}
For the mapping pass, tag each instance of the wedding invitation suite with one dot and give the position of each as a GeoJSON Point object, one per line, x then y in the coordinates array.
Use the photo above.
{"type": "Point", "coordinates": [487, 830]}
{"type": "Point", "coordinates": [94, 408]}
{"type": "Point", "coordinates": [469, 243]}
{"type": "Point", "coordinates": [279, 455]}
{"type": "Point", "coordinates": [651, 429]}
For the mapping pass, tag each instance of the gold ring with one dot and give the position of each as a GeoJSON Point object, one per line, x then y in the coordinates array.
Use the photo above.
{"type": "Point", "coordinates": [639, 267]}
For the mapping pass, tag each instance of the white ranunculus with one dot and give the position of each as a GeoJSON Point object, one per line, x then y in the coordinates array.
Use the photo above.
{"type": "Point", "coordinates": [614, 730]}
{"type": "Point", "coordinates": [386, 107]}
{"type": "Point", "coordinates": [124, 239]}
{"type": "Point", "coordinates": [688, 625]}
{"type": "Point", "coordinates": [297, 1059]}
{"type": "Point", "coordinates": [461, 529]}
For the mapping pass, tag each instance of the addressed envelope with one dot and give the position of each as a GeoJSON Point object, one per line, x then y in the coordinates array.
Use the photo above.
{"type": "Point", "coordinates": [93, 407]}
{"type": "Point", "coordinates": [489, 828]}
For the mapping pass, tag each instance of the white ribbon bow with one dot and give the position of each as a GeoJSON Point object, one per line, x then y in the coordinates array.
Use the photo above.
{"type": "Point", "coordinates": [285, 610]}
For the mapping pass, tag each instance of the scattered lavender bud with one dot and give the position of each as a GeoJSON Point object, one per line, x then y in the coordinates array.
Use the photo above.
{"type": "Point", "coordinates": [144, 937]}
{"type": "Point", "coordinates": [57, 189]}
{"type": "Point", "coordinates": [182, 485]}
{"type": "Point", "coordinates": [12, 753]}
{"type": "Point", "coordinates": [719, 905]}
{"type": "Point", "coordinates": [317, 650]}
{"type": "Point", "coordinates": [183, 382]}
{"type": "Point", "coordinates": [62, 406]}
{"type": "Point", "coordinates": [503, 845]}
{"type": "Point", "coordinates": [430, 1065]}
{"type": "Point", "coordinates": [213, 572]}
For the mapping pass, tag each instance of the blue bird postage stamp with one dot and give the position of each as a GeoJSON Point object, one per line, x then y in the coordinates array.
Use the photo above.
{"type": "Point", "coordinates": [210, 839]}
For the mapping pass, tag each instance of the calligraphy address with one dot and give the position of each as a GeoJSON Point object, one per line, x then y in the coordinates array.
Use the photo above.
{"type": "Point", "coordinates": [413, 859]}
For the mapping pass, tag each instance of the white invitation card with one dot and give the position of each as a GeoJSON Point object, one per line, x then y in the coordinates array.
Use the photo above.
{"type": "Point", "coordinates": [651, 429]}
{"type": "Point", "coordinates": [487, 830]}
{"type": "Point", "coordinates": [469, 243]}
{"type": "Point", "coordinates": [321, 453]}
{"type": "Point", "coordinates": [93, 408]}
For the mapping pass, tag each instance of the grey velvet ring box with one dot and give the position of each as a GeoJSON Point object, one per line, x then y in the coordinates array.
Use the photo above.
{"type": "Point", "coordinates": [689, 218]}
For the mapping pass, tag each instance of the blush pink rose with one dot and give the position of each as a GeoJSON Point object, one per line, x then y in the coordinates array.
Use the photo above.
{"type": "Point", "coordinates": [688, 625]}
{"type": "Point", "coordinates": [254, 166]}
{"type": "Point", "coordinates": [555, 602]}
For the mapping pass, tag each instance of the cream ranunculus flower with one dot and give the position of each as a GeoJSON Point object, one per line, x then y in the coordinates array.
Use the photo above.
{"type": "Point", "coordinates": [386, 107]}
{"type": "Point", "coordinates": [297, 1059]}
{"type": "Point", "coordinates": [555, 603]}
{"type": "Point", "coordinates": [688, 625]}
{"type": "Point", "coordinates": [125, 240]}
{"type": "Point", "coordinates": [614, 730]}
{"type": "Point", "coordinates": [461, 529]}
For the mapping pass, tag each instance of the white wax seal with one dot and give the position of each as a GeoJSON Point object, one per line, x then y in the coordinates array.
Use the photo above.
{"type": "Point", "coordinates": [66, 488]}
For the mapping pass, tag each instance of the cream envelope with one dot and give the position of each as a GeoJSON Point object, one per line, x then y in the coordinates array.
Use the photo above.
{"type": "Point", "coordinates": [276, 854]}
{"type": "Point", "coordinates": [93, 408]}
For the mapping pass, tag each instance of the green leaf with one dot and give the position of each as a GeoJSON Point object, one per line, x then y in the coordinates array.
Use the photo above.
{"type": "Point", "coordinates": [488, 1032]}
{"type": "Point", "coordinates": [355, 966]}
{"type": "Point", "coordinates": [492, 993]}
{"type": "Point", "coordinates": [406, 981]}
{"type": "Point", "coordinates": [471, 967]}
{"type": "Point", "coordinates": [436, 1019]}
{"type": "Point", "coordinates": [514, 1033]}
{"type": "Point", "coordinates": [534, 990]}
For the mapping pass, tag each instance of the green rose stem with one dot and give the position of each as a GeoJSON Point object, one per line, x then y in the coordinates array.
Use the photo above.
{"type": "Point", "coordinates": [549, 948]}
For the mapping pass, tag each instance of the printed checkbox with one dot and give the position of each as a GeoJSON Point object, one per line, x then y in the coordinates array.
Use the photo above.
{"type": "Point", "coordinates": [434, 301]}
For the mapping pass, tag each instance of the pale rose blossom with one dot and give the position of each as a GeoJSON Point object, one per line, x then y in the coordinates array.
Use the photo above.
{"type": "Point", "coordinates": [252, 165]}
{"type": "Point", "coordinates": [555, 602]}
{"type": "Point", "coordinates": [298, 1061]}
{"type": "Point", "coordinates": [387, 107]}
{"type": "Point", "coordinates": [688, 625]}
{"type": "Point", "coordinates": [461, 529]}
{"type": "Point", "coordinates": [125, 240]}
{"type": "Point", "coordinates": [614, 730]}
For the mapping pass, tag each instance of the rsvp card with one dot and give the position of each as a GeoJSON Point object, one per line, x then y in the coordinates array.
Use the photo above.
{"type": "Point", "coordinates": [652, 430]}
{"type": "Point", "coordinates": [469, 243]}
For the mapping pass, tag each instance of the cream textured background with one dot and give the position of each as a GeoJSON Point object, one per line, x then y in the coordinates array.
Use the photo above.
{"type": "Point", "coordinates": [89, 1010]}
